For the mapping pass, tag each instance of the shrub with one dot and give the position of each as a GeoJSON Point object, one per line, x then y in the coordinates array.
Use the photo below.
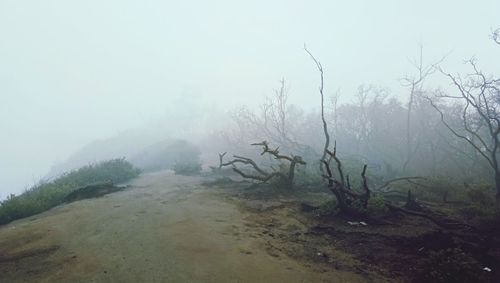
{"type": "Point", "coordinates": [46, 195]}
{"type": "Point", "coordinates": [309, 178]}
{"type": "Point", "coordinates": [328, 208]}
{"type": "Point", "coordinates": [481, 195]}
{"type": "Point", "coordinates": [479, 211]}
{"type": "Point", "coordinates": [376, 206]}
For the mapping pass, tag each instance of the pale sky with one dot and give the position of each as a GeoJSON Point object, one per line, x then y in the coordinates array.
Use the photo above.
{"type": "Point", "coordinates": [75, 71]}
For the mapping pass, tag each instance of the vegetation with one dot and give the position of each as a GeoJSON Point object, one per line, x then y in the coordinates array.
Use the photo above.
{"type": "Point", "coordinates": [376, 206]}
{"type": "Point", "coordinates": [327, 208]}
{"type": "Point", "coordinates": [437, 146]}
{"type": "Point", "coordinates": [429, 164]}
{"type": "Point", "coordinates": [440, 135]}
{"type": "Point", "coordinates": [48, 194]}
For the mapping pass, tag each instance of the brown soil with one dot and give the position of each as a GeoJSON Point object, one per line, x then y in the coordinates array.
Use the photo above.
{"type": "Point", "coordinates": [388, 249]}
{"type": "Point", "coordinates": [163, 228]}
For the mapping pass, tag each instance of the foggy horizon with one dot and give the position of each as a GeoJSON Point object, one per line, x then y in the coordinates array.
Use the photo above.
{"type": "Point", "coordinates": [72, 73]}
{"type": "Point", "coordinates": [250, 141]}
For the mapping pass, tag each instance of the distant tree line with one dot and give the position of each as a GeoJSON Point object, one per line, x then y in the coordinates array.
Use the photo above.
{"type": "Point", "coordinates": [425, 132]}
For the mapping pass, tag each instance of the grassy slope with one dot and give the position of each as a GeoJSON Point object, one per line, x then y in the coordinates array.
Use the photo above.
{"type": "Point", "coordinates": [46, 195]}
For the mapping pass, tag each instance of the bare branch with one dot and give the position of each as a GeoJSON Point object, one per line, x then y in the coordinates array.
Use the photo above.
{"type": "Point", "coordinates": [221, 157]}
{"type": "Point", "coordinates": [337, 161]}
{"type": "Point", "coordinates": [386, 184]}
{"type": "Point", "coordinates": [262, 175]}
{"type": "Point", "coordinates": [455, 132]}
{"type": "Point", "coordinates": [325, 125]}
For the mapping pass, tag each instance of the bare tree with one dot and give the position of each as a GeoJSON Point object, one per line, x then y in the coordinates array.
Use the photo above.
{"type": "Point", "coordinates": [277, 122]}
{"type": "Point", "coordinates": [347, 197]}
{"type": "Point", "coordinates": [325, 125]}
{"type": "Point", "coordinates": [368, 97]}
{"type": "Point", "coordinates": [334, 99]}
{"type": "Point", "coordinates": [276, 115]}
{"type": "Point", "coordinates": [479, 98]}
{"type": "Point", "coordinates": [221, 157]}
{"type": "Point", "coordinates": [415, 85]}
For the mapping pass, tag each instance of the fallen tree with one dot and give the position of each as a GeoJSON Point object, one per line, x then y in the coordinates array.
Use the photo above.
{"type": "Point", "coordinates": [263, 175]}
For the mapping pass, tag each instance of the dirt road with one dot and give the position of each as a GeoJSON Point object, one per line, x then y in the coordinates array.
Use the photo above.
{"type": "Point", "coordinates": [164, 228]}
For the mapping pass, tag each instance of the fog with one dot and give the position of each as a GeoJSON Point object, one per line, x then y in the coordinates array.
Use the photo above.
{"type": "Point", "coordinates": [73, 72]}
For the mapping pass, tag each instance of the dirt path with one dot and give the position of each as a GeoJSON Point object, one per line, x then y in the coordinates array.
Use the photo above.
{"type": "Point", "coordinates": [164, 228]}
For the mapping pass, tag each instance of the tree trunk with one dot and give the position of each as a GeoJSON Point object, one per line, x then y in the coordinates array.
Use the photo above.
{"type": "Point", "coordinates": [497, 185]}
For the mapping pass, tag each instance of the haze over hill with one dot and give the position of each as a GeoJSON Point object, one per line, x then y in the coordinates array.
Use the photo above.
{"type": "Point", "coordinates": [76, 72]}
{"type": "Point", "coordinates": [250, 141]}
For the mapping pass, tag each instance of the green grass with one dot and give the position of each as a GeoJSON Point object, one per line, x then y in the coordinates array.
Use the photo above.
{"type": "Point", "coordinates": [46, 195]}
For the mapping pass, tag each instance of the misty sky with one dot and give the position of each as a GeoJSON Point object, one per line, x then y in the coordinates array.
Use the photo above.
{"type": "Point", "coordinates": [75, 71]}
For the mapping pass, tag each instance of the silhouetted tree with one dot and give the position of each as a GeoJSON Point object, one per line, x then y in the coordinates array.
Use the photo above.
{"type": "Point", "coordinates": [478, 98]}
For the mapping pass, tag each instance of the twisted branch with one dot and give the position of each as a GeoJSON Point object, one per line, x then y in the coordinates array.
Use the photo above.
{"type": "Point", "coordinates": [262, 175]}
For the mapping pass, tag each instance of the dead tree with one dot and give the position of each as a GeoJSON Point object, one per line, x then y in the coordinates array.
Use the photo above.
{"type": "Point", "coordinates": [341, 187]}
{"type": "Point", "coordinates": [368, 97]}
{"type": "Point", "coordinates": [277, 121]}
{"type": "Point", "coordinates": [349, 201]}
{"type": "Point", "coordinates": [334, 99]}
{"type": "Point", "coordinates": [275, 114]}
{"type": "Point", "coordinates": [479, 97]}
{"type": "Point", "coordinates": [415, 85]}
{"type": "Point", "coordinates": [221, 157]}
{"type": "Point", "coordinates": [325, 125]}
{"type": "Point", "coordinates": [263, 175]}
